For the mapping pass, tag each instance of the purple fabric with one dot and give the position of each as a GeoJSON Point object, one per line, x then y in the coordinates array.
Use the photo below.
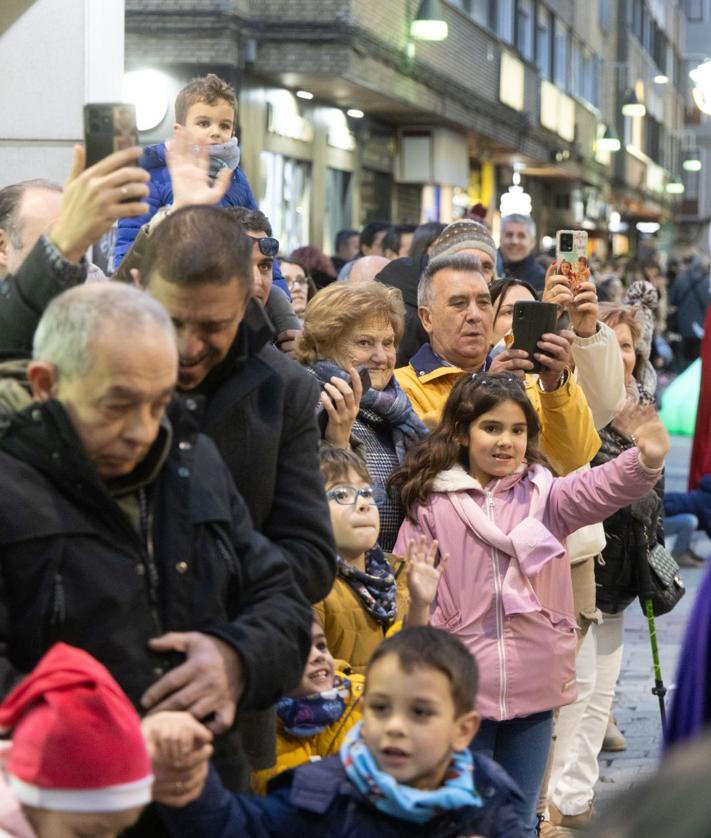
{"type": "Point", "coordinates": [689, 711]}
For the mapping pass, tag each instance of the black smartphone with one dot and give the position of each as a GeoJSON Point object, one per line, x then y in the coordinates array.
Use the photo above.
{"type": "Point", "coordinates": [108, 127]}
{"type": "Point", "coordinates": [321, 414]}
{"type": "Point", "coordinates": [532, 320]}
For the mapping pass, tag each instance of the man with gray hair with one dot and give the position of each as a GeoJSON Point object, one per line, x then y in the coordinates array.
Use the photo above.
{"type": "Point", "coordinates": [121, 531]}
{"type": "Point", "coordinates": [456, 312]}
{"type": "Point", "coordinates": [517, 251]}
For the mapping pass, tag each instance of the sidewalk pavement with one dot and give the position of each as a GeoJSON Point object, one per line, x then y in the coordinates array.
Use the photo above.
{"type": "Point", "coordinates": [636, 709]}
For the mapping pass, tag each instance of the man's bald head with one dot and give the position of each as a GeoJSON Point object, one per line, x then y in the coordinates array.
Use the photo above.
{"type": "Point", "coordinates": [367, 268]}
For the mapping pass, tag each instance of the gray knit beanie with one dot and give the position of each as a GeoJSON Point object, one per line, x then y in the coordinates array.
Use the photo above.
{"type": "Point", "coordinates": [462, 235]}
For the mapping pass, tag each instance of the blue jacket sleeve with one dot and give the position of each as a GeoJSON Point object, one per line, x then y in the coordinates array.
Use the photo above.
{"type": "Point", "coordinates": [128, 227]}
{"type": "Point", "coordinates": [219, 814]}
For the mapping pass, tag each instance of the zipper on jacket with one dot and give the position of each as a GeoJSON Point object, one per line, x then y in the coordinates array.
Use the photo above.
{"type": "Point", "coordinates": [499, 614]}
{"type": "Point", "coordinates": [59, 602]}
{"type": "Point", "coordinates": [226, 555]}
{"type": "Point", "coordinates": [149, 562]}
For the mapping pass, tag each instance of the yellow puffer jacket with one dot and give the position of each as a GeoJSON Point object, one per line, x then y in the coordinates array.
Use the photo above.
{"type": "Point", "coordinates": [568, 437]}
{"type": "Point", "coordinates": [292, 751]}
{"type": "Point", "coordinates": [351, 632]}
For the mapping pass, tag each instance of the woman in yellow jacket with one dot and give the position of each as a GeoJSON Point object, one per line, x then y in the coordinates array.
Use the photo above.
{"type": "Point", "coordinates": [313, 721]}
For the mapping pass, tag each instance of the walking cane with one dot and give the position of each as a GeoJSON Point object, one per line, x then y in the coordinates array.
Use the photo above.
{"type": "Point", "coordinates": [658, 689]}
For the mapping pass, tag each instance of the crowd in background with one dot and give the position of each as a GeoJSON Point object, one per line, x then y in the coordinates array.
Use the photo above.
{"type": "Point", "coordinates": [359, 563]}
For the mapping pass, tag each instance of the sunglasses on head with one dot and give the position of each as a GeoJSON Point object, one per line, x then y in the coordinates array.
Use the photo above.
{"type": "Point", "coordinates": [268, 246]}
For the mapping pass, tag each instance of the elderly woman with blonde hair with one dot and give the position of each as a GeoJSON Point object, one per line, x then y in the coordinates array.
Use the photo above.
{"type": "Point", "coordinates": [351, 328]}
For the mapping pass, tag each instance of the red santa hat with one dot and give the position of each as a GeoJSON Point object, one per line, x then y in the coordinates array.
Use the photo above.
{"type": "Point", "coordinates": [77, 744]}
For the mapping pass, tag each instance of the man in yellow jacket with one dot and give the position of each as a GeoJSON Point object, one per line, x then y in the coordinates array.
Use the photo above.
{"type": "Point", "coordinates": [456, 311]}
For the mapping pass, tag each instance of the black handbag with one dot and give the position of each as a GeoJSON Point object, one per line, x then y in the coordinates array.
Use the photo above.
{"type": "Point", "coordinates": [667, 586]}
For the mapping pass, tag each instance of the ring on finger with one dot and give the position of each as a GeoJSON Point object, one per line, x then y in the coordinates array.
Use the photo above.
{"type": "Point", "coordinates": [124, 191]}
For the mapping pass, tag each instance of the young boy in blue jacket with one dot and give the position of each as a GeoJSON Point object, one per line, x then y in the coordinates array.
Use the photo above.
{"type": "Point", "coordinates": [206, 110]}
{"type": "Point", "coordinates": [405, 770]}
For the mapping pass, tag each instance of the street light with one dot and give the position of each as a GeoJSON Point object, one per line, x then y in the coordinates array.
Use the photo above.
{"type": "Point", "coordinates": [675, 187]}
{"type": "Point", "coordinates": [701, 76]}
{"type": "Point", "coordinates": [692, 164]}
{"type": "Point", "coordinates": [631, 106]}
{"type": "Point", "coordinates": [609, 140]}
{"type": "Point", "coordinates": [429, 24]}
{"type": "Point", "coordinates": [147, 90]}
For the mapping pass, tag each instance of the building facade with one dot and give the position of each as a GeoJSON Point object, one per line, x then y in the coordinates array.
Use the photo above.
{"type": "Point", "coordinates": [345, 118]}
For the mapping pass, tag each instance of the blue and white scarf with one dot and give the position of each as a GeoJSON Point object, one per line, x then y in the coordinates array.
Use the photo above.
{"type": "Point", "coordinates": [405, 802]}
{"type": "Point", "coordinates": [376, 588]}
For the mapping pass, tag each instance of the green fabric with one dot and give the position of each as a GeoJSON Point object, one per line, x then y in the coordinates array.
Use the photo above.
{"type": "Point", "coordinates": [680, 401]}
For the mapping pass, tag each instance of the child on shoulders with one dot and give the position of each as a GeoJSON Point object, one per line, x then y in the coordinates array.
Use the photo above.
{"type": "Point", "coordinates": [206, 110]}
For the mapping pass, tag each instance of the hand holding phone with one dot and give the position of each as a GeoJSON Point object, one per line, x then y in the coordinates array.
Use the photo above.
{"type": "Point", "coordinates": [572, 257]}
{"type": "Point", "coordinates": [532, 320]}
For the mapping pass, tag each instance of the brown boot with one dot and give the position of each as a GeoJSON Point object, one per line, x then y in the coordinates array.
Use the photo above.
{"type": "Point", "coordinates": [614, 738]}
{"type": "Point", "coordinates": [569, 826]}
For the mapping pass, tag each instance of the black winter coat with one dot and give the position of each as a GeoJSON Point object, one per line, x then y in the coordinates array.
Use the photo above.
{"type": "Point", "coordinates": [260, 413]}
{"type": "Point", "coordinates": [623, 575]}
{"type": "Point", "coordinates": [75, 569]}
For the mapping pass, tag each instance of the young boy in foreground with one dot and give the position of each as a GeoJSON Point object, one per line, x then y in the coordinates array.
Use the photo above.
{"type": "Point", "coordinates": [405, 770]}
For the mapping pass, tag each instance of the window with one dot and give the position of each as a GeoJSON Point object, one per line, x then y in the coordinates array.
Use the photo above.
{"type": "Point", "coordinates": [605, 14]}
{"type": "Point", "coordinates": [480, 11]}
{"type": "Point", "coordinates": [525, 28]}
{"type": "Point", "coordinates": [505, 20]}
{"type": "Point", "coordinates": [576, 68]}
{"type": "Point", "coordinates": [561, 68]}
{"type": "Point", "coordinates": [544, 26]}
{"type": "Point", "coordinates": [695, 10]}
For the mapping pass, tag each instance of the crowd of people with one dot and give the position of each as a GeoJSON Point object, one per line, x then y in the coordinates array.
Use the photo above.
{"type": "Point", "coordinates": [302, 545]}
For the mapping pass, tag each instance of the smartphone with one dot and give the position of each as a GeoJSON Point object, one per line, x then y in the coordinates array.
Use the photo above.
{"type": "Point", "coordinates": [321, 414]}
{"type": "Point", "coordinates": [108, 127]}
{"type": "Point", "coordinates": [532, 320]}
{"type": "Point", "coordinates": [571, 253]}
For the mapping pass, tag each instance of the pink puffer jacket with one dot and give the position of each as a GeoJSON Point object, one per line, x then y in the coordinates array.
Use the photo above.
{"type": "Point", "coordinates": [506, 592]}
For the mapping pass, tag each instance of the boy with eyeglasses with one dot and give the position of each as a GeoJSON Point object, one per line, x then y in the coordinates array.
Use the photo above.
{"type": "Point", "coordinates": [374, 594]}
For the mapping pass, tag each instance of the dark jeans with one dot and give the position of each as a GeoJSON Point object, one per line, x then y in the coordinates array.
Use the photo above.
{"type": "Point", "coordinates": [520, 746]}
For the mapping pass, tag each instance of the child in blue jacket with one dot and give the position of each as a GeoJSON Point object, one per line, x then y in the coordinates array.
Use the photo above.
{"type": "Point", "coordinates": [206, 108]}
{"type": "Point", "coordinates": [405, 770]}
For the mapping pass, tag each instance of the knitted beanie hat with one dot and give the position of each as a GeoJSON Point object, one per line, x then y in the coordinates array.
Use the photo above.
{"type": "Point", "coordinates": [77, 744]}
{"type": "Point", "coordinates": [462, 235]}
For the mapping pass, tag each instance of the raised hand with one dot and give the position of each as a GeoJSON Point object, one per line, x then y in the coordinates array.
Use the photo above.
{"type": "Point", "coordinates": [96, 197]}
{"type": "Point", "coordinates": [189, 167]}
{"type": "Point", "coordinates": [555, 357]}
{"type": "Point", "coordinates": [578, 299]}
{"type": "Point", "coordinates": [422, 578]}
{"type": "Point", "coordinates": [644, 427]}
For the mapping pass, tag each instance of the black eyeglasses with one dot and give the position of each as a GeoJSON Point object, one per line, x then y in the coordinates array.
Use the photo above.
{"type": "Point", "coordinates": [483, 379]}
{"type": "Point", "coordinates": [268, 246]}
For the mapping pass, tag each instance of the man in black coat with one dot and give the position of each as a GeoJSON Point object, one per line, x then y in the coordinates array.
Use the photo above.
{"type": "Point", "coordinates": [258, 406]}
{"type": "Point", "coordinates": [121, 532]}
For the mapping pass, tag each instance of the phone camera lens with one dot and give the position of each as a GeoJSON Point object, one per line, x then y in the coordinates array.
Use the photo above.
{"type": "Point", "coordinates": [566, 242]}
{"type": "Point", "coordinates": [106, 120]}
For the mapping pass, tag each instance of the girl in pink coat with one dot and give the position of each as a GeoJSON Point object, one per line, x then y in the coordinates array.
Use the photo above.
{"type": "Point", "coordinates": [480, 488]}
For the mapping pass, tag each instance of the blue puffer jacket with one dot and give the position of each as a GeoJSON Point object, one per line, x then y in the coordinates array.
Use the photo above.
{"type": "Point", "coordinates": [161, 194]}
{"type": "Point", "coordinates": [697, 503]}
{"type": "Point", "coordinates": [317, 799]}
{"type": "Point", "coordinates": [153, 161]}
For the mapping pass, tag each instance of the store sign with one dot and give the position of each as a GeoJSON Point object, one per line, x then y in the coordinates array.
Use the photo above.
{"type": "Point", "coordinates": [288, 123]}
